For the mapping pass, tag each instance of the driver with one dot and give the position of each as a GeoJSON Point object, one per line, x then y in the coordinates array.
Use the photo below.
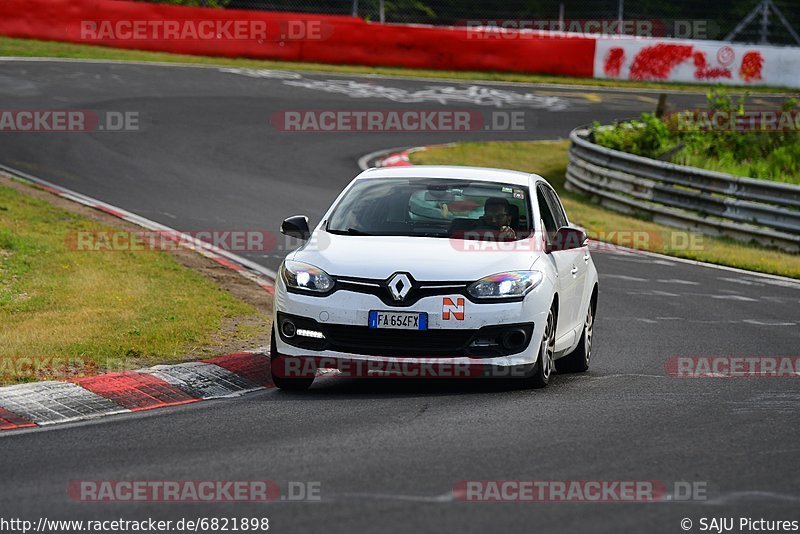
{"type": "Point", "coordinates": [497, 217]}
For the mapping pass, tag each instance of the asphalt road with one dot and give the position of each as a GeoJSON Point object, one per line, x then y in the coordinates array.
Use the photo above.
{"type": "Point", "coordinates": [387, 454]}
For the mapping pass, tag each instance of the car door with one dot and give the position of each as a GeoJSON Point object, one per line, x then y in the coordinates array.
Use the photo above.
{"type": "Point", "coordinates": [564, 264]}
{"type": "Point", "coordinates": [580, 257]}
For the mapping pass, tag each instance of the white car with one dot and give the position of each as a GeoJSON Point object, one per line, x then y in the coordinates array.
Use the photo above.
{"type": "Point", "coordinates": [473, 270]}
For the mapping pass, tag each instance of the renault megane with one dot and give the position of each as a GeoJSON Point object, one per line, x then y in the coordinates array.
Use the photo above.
{"type": "Point", "coordinates": [473, 267]}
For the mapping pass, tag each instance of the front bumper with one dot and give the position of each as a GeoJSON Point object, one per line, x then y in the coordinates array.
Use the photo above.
{"type": "Point", "coordinates": [485, 342]}
{"type": "Point", "coordinates": [461, 339]}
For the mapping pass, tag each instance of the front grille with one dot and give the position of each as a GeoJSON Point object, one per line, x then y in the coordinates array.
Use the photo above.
{"type": "Point", "coordinates": [486, 342]}
{"type": "Point", "coordinates": [380, 342]}
{"type": "Point", "coordinates": [419, 290]}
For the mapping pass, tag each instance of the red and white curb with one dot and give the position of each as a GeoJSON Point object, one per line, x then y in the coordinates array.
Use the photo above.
{"type": "Point", "coordinates": [400, 159]}
{"type": "Point", "coordinates": [257, 273]}
{"type": "Point", "coordinates": [393, 157]}
{"type": "Point", "coordinates": [53, 402]}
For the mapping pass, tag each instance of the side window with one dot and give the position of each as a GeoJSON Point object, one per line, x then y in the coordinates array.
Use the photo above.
{"type": "Point", "coordinates": [545, 213]}
{"type": "Point", "coordinates": [558, 209]}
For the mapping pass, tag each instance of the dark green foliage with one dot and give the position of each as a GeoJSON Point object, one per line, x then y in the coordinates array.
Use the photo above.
{"type": "Point", "coordinates": [767, 155]}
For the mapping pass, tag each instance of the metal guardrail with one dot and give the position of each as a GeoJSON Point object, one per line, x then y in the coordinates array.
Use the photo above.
{"type": "Point", "coordinates": [710, 202]}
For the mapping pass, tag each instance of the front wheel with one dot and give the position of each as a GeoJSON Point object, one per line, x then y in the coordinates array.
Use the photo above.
{"type": "Point", "coordinates": [278, 370]}
{"type": "Point", "coordinates": [543, 370]}
{"type": "Point", "coordinates": [578, 360]}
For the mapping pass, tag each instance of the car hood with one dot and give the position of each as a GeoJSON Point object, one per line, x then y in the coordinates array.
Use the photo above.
{"type": "Point", "coordinates": [425, 258]}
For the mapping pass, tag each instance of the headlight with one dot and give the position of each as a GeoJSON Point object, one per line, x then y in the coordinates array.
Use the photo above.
{"type": "Point", "coordinates": [506, 285]}
{"type": "Point", "coordinates": [298, 275]}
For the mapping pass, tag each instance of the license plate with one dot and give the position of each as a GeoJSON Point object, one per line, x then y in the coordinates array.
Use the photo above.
{"type": "Point", "coordinates": [398, 320]}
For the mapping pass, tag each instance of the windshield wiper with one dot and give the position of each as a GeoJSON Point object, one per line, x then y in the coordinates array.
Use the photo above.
{"type": "Point", "coordinates": [349, 231]}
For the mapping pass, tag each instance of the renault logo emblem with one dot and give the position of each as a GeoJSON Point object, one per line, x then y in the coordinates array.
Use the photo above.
{"type": "Point", "coordinates": [399, 286]}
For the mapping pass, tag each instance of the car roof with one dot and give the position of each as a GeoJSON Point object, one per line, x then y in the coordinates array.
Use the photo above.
{"type": "Point", "coordinates": [478, 174]}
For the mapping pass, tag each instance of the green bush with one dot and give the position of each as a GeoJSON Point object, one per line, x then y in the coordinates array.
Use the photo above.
{"type": "Point", "coordinates": [757, 154]}
{"type": "Point", "coordinates": [650, 136]}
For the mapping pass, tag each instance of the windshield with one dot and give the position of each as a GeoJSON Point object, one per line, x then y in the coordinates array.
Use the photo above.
{"type": "Point", "coordinates": [428, 207]}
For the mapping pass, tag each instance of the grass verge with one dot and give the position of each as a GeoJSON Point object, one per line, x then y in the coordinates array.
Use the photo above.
{"type": "Point", "coordinates": [34, 48]}
{"type": "Point", "coordinates": [549, 159]}
{"type": "Point", "coordinates": [67, 313]}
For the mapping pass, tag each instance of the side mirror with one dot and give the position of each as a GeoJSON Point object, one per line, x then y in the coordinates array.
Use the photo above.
{"type": "Point", "coordinates": [568, 238]}
{"type": "Point", "coordinates": [296, 226]}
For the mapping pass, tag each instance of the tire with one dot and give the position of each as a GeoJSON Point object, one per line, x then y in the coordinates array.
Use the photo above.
{"type": "Point", "coordinates": [543, 370]}
{"type": "Point", "coordinates": [282, 382]}
{"type": "Point", "coordinates": [578, 360]}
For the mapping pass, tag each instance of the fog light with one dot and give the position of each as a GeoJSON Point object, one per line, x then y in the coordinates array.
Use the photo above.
{"type": "Point", "coordinates": [288, 328]}
{"type": "Point", "coordinates": [310, 333]}
{"type": "Point", "coordinates": [515, 339]}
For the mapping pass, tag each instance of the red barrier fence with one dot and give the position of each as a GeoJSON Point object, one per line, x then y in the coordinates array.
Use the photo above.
{"type": "Point", "coordinates": [291, 37]}
{"type": "Point", "coordinates": [348, 40]}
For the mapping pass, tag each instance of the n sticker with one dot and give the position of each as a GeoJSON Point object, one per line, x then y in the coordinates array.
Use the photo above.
{"type": "Point", "coordinates": [452, 309]}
